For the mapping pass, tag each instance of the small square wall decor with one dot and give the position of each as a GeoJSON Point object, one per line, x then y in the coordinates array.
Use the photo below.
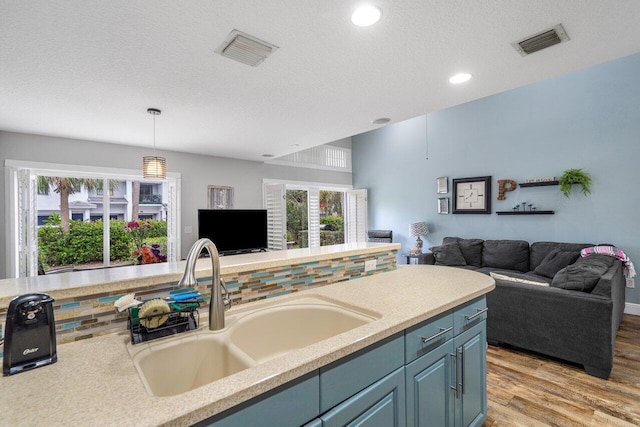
{"type": "Point", "coordinates": [443, 205]}
{"type": "Point", "coordinates": [442, 185]}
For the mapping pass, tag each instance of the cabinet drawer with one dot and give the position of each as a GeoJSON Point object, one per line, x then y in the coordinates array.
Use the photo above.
{"type": "Point", "coordinates": [345, 377]}
{"type": "Point", "coordinates": [471, 313]}
{"type": "Point", "coordinates": [426, 336]}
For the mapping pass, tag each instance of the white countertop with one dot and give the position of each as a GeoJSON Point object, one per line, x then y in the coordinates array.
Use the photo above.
{"type": "Point", "coordinates": [82, 283]}
{"type": "Point", "coordinates": [95, 383]}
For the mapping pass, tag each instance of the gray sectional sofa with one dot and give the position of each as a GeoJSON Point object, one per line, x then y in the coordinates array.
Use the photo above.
{"type": "Point", "coordinates": [547, 298]}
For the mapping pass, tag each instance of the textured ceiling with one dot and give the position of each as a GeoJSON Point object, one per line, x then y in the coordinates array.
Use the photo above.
{"type": "Point", "coordinates": [89, 69]}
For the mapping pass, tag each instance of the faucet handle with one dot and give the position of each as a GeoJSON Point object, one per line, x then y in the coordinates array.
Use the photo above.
{"type": "Point", "coordinates": [226, 300]}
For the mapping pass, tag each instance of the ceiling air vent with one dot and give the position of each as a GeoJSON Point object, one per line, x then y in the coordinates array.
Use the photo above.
{"type": "Point", "coordinates": [541, 40]}
{"type": "Point", "coordinates": [244, 48]}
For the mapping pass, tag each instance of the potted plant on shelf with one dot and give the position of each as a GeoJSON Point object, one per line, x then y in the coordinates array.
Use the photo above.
{"type": "Point", "coordinates": [574, 176]}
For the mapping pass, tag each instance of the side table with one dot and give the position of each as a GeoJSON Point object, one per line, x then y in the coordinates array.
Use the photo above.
{"type": "Point", "coordinates": [416, 259]}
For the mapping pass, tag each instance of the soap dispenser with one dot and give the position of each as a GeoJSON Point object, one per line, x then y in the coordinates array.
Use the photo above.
{"type": "Point", "coordinates": [29, 334]}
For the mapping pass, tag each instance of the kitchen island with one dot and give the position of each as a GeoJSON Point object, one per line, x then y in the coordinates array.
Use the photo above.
{"type": "Point", "coordinates": [95, 382]}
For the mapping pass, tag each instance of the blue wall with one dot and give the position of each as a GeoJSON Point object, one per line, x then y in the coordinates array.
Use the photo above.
{"type": "Point", "coordinates": [588, 119]}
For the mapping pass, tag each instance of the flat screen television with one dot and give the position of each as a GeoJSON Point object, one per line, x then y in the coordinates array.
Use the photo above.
{"type": "Point", "coordinates": [234, 230]}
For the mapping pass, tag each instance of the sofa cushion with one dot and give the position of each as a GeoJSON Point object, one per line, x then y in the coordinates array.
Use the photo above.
{"type": "Point", "coordinates": [448, 254]}
{"type": "Point", "coordinates": [555, 261]}
{"type": "Point", "coordinates": [506, 254]}
{"type": "Point", "coordinates": [584, 274]}
{"type": "Point", "coordinates": [515, 277]}
{"type": "Point", "coordinates": [471, 249]}
{"type": "Point", "coordinates": [539, 250]}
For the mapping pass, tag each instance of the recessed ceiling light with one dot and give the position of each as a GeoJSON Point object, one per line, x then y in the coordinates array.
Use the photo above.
{"type": "Point", "coordinates": [268, 155]}
{"type": "Point", "coordinates": [366, 15]}
{"type": "Point", "coordinates": [460, 78]}
{"type": "Point", "coordinates": [381, 121]}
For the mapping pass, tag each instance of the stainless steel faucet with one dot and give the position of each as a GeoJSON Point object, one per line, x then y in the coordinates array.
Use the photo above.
{"type": "Point", "coordinates": [217, 304]}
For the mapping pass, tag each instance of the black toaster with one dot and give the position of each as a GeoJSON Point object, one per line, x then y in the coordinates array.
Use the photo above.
{"type": "Point", "coordinates": [29, 334]}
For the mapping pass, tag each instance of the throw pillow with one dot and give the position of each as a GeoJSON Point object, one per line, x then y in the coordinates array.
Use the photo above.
{"type": "Point", "coordinates": [539, 250]}
{"type": "Point", "coordinates": [555, 261]}
{"type": "Point", "coordinates": [581, 276]}
{"type": "Point", "coordinates": [506, 255]}
{"type": "Point", "coordinates": [448, 254]}
{"type": "Point", "coordinates": [471, 249]}
{"type": "Point", "coordinates": [498, 276]}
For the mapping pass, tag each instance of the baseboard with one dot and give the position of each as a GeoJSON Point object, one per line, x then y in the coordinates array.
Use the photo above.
{"type": "Point", "coordinates": [630, 308]}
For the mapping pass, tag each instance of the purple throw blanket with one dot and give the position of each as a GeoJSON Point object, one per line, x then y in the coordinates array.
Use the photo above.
{"type": "Point", "coordinates": [612, 251]}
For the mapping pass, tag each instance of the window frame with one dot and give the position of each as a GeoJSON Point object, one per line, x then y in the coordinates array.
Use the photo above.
{"type": "Point", "coordinates": [21, 243]}
{"type": "Point", "coordinates": [312, 188]}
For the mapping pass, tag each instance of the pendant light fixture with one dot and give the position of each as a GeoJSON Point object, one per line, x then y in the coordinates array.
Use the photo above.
{"type": "Point", "coordinates": [154, 167]}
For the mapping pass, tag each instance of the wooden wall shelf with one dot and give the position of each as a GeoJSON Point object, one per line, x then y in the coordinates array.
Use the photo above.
{"type": "Point", "coordinates": [525, 213]}
{"type": "Point", "coordinates": [538, 184]}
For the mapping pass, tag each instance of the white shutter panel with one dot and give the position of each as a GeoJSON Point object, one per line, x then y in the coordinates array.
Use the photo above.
{"type": "Point", "coordinates": [173, 219]}
{"type": "Point", "coordinates": [313, 209]}
{"type": "Point", "coordinates": [27, 224]}
{"type": "Point", "coordinates": [276, 216]}
{"type": "Point", "coordinates": [356, 216]}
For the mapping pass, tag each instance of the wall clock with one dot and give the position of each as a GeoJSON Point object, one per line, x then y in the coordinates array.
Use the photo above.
{"type": "Point", "coordinates": [472, 195]}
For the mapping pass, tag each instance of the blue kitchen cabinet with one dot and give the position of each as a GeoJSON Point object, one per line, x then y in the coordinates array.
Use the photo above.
{"type": "Point", "coordinates": [429, 396]}
{"type": "Point", "coordinates": [446, 385]}
{"type": "Point", "coordinates": [291, 404]}
{"type": "Point", "coordinates": [471, 363]}
{"type": "Point", "coordinates": [432, 374]}
{"type": "Point", "coordinates": [382, 404]}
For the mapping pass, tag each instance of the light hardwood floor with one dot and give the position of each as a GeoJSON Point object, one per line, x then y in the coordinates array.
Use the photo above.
{"type": "Point", "coordinates": [527, 389]}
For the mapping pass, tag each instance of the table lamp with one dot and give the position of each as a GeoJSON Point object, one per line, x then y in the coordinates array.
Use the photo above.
{"type": "Point", "coordinates": [418, 229]}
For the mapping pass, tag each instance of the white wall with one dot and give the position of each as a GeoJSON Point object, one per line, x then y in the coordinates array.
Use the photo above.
{"type": "Point", "coordinates": [198, 171]}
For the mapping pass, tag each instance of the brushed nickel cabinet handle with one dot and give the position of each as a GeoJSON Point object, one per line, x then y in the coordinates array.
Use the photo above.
{"type": "Point", "coordinates": [473, 316]}
{"type": "Point", "coordinates": [439, 334]}
{"type": "Point", "coordinates": [461, 352]}
{"type": "Point", "coordinates": [456, 388]}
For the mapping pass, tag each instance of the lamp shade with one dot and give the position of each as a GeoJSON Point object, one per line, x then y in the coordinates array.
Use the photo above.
{"type": "Point", "coordinates": [418, 229]}
{"type": "Point", "coordinates": [154, 167]}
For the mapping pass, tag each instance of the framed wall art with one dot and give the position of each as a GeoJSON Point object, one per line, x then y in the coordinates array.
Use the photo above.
{"type": "Point", "coordinates": [443, 205]}
{"type": "Point", "coordinates": [219, 197]}
{"type": "Point", "coordinates": [442, 185]}
{"type": "Point", "coordinates": [472, 195]}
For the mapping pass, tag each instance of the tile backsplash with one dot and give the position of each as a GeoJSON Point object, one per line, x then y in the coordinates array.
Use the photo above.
{"type": "Point", "coordinates": [94, 315]}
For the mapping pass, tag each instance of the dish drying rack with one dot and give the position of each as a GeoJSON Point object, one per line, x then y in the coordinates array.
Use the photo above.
{"type": "Point", "coordinates": [178, 321]}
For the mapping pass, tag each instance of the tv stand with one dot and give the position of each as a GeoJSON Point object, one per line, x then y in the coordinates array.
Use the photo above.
{"type": "Point", "coordinates": [243, 251]}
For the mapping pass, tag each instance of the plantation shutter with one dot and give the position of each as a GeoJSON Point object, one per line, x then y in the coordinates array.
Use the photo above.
{"type": "Point", "coordinates": [173, 220]}
{"type": "Point", "coordinates": [27, 224]}
{"type": "Point", "coordinates": [356, 216]}
{"type": "Point", "coordinates": [274, 202]}
{"type": "Point", "coordinates": [313, 209]}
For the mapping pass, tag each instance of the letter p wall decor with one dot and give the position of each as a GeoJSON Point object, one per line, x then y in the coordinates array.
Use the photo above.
{"type": "Point", "coordinates": [505, 185]}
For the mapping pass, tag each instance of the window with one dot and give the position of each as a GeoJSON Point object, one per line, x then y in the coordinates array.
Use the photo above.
{"type": "Point", "coordinates": [301, 215]}
{"type": "Point", "coordinates": [297, 219]}
{"type": "Point", "coordinates": [94, 218]}
{"type": "Point", "coordinates": [33, 216]}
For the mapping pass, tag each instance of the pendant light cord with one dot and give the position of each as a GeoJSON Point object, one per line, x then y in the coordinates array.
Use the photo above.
{"type": "Point", "coordinates": [154, 135]}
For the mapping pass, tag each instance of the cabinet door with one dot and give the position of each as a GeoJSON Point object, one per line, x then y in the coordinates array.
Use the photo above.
{"type": "Point", "coordinates": [380, 405]}
{"type": "Point", "coordinates": [471, 376]}
{"type": "Point", "coordinates": [429, 395]}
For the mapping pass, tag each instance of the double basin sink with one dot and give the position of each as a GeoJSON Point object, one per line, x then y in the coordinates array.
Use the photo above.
{"type": "Point", "coordinates": [181, 363]}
